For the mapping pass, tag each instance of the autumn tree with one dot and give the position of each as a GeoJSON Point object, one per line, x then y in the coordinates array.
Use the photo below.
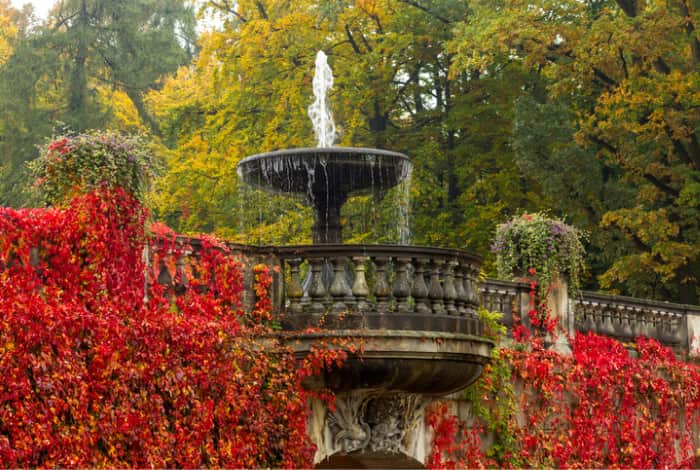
{"type": "Point", "coordinates": [629, 72]}
{"type": "Point", "coordinates": [250, 88]}
{"type": "Point", "coordinates": [88, 66]}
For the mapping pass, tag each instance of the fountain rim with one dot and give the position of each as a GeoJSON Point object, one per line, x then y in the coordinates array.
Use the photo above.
{"type": "Point", "coordinates": [340, 152]}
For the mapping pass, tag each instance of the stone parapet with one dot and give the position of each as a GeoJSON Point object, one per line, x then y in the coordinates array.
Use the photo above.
{"type": "Point", "coordinates": [624, 318]}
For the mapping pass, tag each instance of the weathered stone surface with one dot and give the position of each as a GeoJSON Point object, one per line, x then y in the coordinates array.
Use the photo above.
{"type": "Point", "coordinates": [425, 362]}
{"type": "Point", "coordinates": [370, 426]}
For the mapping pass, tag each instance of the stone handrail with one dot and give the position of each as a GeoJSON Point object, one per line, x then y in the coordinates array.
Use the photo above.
{"type": "Point", "coordinates": [508, 297]}
{"type": "Point", "coordinates": [381, 287]}
{"type": "Point", "coordinates": [626, 318]}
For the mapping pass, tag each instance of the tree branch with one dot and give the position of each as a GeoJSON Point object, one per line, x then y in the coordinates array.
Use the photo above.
{"type": "Point", "coordinates": [692, 160]}
{"type": "Point", "coordinates": [228, 7]}
{"type": "Point", "coordinates": [261, 9]}
{"type": "Point", "coordinates": [427, 10]}
{"type": "Point", "coordinates": [628, 6]}
{"type": "Point", "coordinates": [366, 42]}
{"type": "Point", "coordinates": [598, 141]}
{"type": "Point", "coordinates": [660, 184]}
{"type": "Point", "coordinates": [624, 62]}
{"type": "Point", "coordinates": [600, 75]}
{"type": "Point", "coordinates": [690, 31]}
{"type": "Point", "coordinates": [351, 38]}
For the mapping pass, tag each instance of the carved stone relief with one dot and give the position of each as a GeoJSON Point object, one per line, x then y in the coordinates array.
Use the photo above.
{"type": "Point", "coordinates": [371, 422]}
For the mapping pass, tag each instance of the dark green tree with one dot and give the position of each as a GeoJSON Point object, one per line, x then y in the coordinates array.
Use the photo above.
{"type": "Point", "coordinates": [69, 72]}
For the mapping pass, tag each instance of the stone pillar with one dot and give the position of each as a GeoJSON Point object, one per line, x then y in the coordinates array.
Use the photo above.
{"type": "Point", "coordinates": [692, 317]}
{"type": "Point", "coordinates": [561, 308]}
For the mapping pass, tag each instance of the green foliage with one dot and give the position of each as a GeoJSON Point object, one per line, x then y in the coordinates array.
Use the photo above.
{"type": "Point", "coordinates": [626, 75]}
{"type": "Point", "coordinates": [493, 397]}
{"type": "Point", "coordinates": [538, 245]}
{"type": "Point", "coordinates": [86, 67]}
{"type": "Point", "coordinates": [493, 327]}
{"type": "Point", "coordinates": [85, 162]}
{"type": "Point", "coordinates": [251, 84]}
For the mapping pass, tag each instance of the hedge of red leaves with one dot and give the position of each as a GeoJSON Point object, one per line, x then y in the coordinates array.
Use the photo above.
{"type": "Point", "coordinates": [94, 376]}
{"type": "Point", "coordinates": [601, 407]}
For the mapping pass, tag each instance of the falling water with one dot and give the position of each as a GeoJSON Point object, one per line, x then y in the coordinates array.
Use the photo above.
{"type": "Point", "coordinates": [404, 208]}
{"type": "Point", "coordinates": [319, 112]}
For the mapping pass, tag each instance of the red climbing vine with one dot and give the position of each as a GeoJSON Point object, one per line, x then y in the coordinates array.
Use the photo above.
{"type": "Point", "coordinates": [606, 404]}
{"type": "Point", "coordinates": [94, 375]}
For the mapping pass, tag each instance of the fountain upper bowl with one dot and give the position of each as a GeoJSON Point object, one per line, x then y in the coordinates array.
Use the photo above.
{"type": "Point", "coordinates": [317, 171]}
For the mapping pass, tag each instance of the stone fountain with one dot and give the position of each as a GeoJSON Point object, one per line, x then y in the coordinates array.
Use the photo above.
{"type": "Point", "coordinates": [325, 175]}
{"type": "Point", "coordinates": [412, 311]}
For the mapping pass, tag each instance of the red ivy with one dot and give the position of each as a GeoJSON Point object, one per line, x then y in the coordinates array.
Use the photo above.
{"type": "Point", "coordinates": [599, 407]}
{"type": "Point", "coordinates": [93, 375]}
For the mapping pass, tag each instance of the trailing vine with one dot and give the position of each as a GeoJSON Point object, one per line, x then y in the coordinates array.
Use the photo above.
{"type": "Point", "coordinates": [546, 244]}
{"type": "Point", "coordinates": [103, 366]}
{"type": "Point", "coordinates": [85, 162]}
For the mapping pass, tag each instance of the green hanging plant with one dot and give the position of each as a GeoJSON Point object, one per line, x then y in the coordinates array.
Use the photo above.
{"type": "Point", "coordinates": [79, 163]}
{"type": "Point", "coordinates": [540, 245]}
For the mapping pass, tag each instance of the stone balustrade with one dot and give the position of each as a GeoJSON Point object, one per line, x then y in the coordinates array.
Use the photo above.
{"type": "Point", "coordinates": [626, 318]}
{"type": "Point", "coordinates": [621, 317]}
{"type": "Point", "coordinates": [421, 289]}
{"type": "Point", "coordinates": [174, 276]}
{"type": "Point", "coordinates": [381, 287]}
{"type": "Point", "coordinates": [508, 297]}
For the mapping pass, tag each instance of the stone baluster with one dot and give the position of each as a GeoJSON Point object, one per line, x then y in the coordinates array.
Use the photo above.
{"type": "Point", "coordinates": [419, 290]}
{"type": "Point", "coordinates": [181, 281]}
{"type": "Point", "coordinates": [472, 284]}
{"type": "Point", "coordinates": [382, 290]}
{"type": "Point", "coordinates": [164, 277]}
{"type": "Point", "coordinates": [588, 320]}
{"type": "Point", "coordinates": [317, 290]}
{"type": "Point", "coordinates": [360, 289]}
{"type": "Point", "coordinates": [580, 317]}
{"type": "Point", "coordinates": [596, 312]}
{"type": "Point", "coordinates": [636, 323]}
{"type": "Point", "coordinates": [625, 323]}
{"type": "Point", "coordinates": [487, 299]}
{"type": "Point", "coordinates": [676, 324]}
{"type": "Point", "coordinates": [648, 323]}
{"type": "Point", "coordinates": [665, 332]}
{"type": "Point", "coordinates": [450, 289]}
{"type": "Point", "coordinates": [435, 291]}
{"type": "Point", "coordinates": [340, 290]}
{"type": "Point", "coordinates": [34, 257]}
{"type": "Point", "coordinates": [655, 329]}
{"type": "Point", "coordinates": [461, 301]}
{"type": "Point", "coordinates": [507, 300]}
{"type": "Point", "coordinates": [616, 319]}
{"type": "Point", "coordinates": [402, 288]}
{"type": "Point", "coordinates": [607, 327]}
{"type": "Point", "coordinates": [295, 291]}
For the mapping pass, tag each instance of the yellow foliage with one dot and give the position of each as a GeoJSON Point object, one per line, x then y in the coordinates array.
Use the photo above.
{"type": "Point", "coordinates": [125, 116]}
{"type": "Point", "coordinates": [8, 31]}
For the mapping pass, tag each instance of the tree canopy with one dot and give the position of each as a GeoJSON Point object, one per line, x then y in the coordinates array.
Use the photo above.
{"type": "Point", "coordinates": [585, 110]}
